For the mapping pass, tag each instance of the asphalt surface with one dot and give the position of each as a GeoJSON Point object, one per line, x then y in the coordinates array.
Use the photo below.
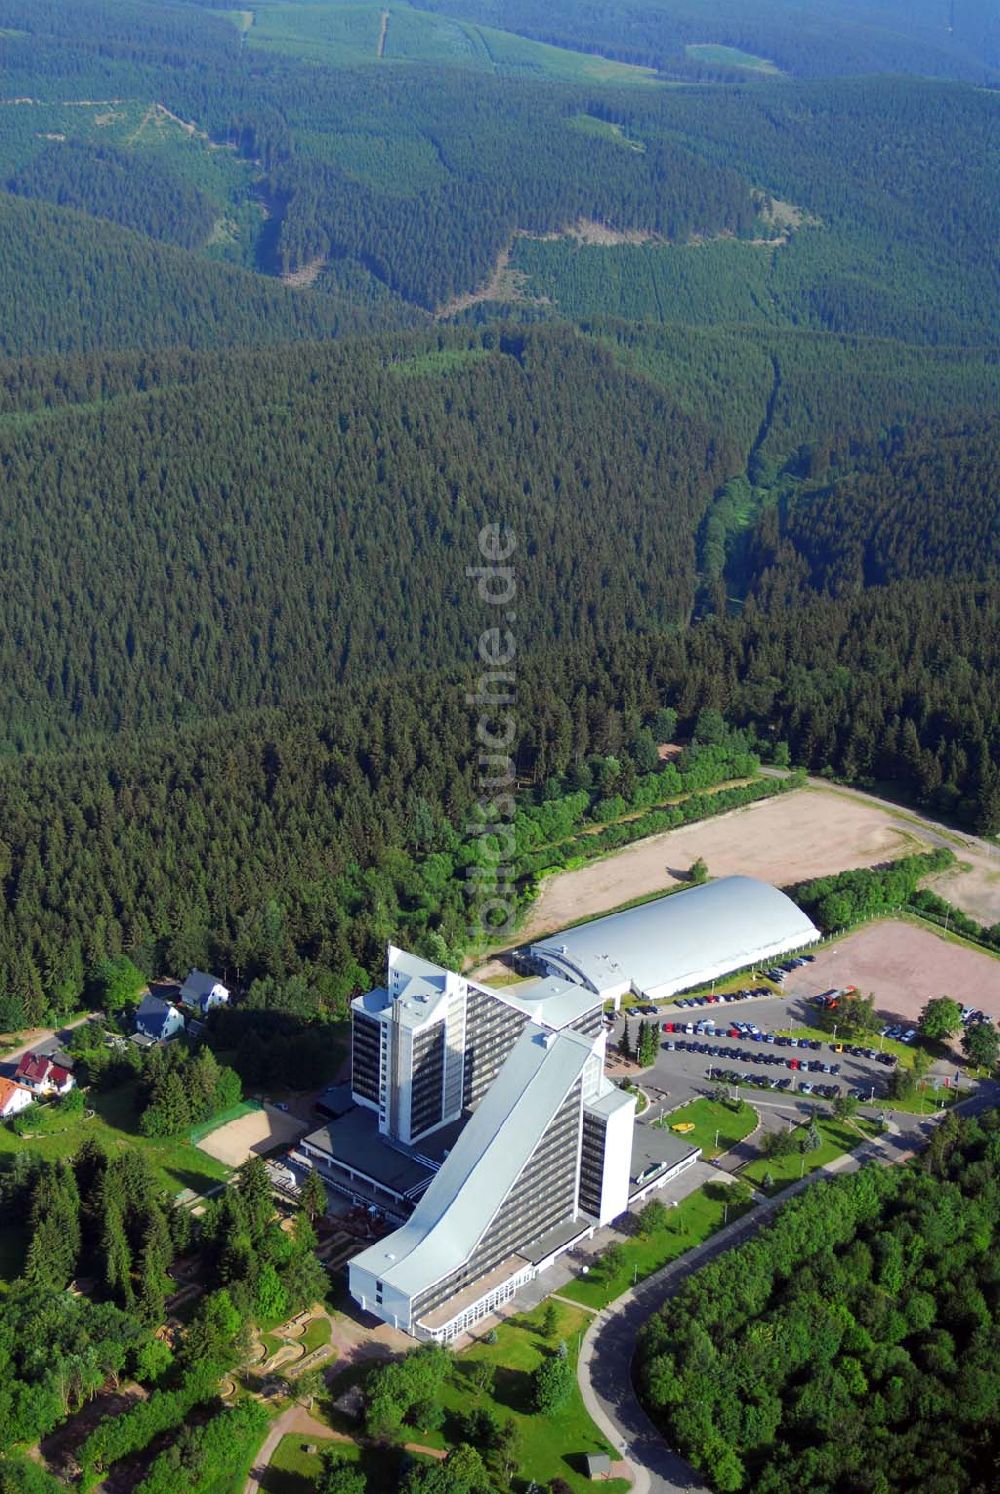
{"type": "Point", "coordinates": [679, 1076]}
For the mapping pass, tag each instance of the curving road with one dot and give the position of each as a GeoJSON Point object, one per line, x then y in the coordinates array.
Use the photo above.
{"type": "Point", "coordinates": [604, 1368]}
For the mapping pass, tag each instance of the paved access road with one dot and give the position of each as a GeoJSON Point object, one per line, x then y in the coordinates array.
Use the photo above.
{"type": "Point", "coordinates": [605, 1364]}
{"type": "Point", "coordinates": [38, 1037]}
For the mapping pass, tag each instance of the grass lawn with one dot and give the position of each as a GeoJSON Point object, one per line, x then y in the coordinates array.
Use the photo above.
{"type": "Point", "coordinates": [549, 1446]}
{"type": "Point", "coordinates": [294, 1471]}
{"type": "Point", "coordinates": [317, 1333]}
{"type": "Point", "coordinates": [711, 53]}
{"type": "Point", "coordinates": [710, 1119]}
{"type": "Point", "coordinates": [175, 1162]}
{"type": "Point", "coordinates": [926, 1102]}
{"type": "Point", "coordinates": [837, 1138]}
{"type": "Point", "coordinates": [693, 1220]}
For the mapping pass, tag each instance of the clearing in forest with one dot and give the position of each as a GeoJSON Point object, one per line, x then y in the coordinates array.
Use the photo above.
{"type": "Point", "coordinates": [713, 54]}
{"type": "Point", "coordinates": [255, 1133]}
{"type": "Point", "coordinates": [904, 965]}
{"type": "Point", "coordinates": [803, 834]}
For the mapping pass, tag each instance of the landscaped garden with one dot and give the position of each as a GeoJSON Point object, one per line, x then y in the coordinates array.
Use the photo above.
{"type": "Point", "coordinates": [718, 1125]}
{"type": "Point", "coordinates": [679, 1227]}
{"type": "Point", "coordinates": [520, 1429]}
{"type": "Point", "coordinates": [809, 1147]}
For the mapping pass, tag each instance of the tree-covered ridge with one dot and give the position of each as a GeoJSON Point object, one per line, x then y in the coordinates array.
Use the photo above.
{"type": "Point", "coordinates": [175, 847]}
{"type": "Point", "coordinates": [921, 503]}
{"type": "Point", "coordinates": [104, 182]}
{"type": "Point", "coordinates": [421, 174]}
{"type": "Point", "coordinates": [282, 515]}
{"type": "Point", "coordinates": [241, 541]}
{"type": "Point", "coordinates": [72, 284]}
{"type": "Point", "coordinates": [836, 39]}
{"type": "Point", "coordinates": [854, 1343]}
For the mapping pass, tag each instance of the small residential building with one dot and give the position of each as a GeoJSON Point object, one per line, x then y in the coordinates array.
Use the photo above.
{"type": "Point", "coordinates": [158, 1019]}
{"type": "Point", "coordinates": [203, 992]}
{"type": "Point", "coordinates": [13, 1098]}
{"type": "Point", "coordinates": [43, 1076]}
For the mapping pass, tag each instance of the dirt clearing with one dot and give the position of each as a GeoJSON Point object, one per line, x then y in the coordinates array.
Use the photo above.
{"type": "Point", "coordinates": [802, 834]}
{"type": "Point", "coordinates": [975, 890]}
{"type": "Point", "coordinates": [904, 967]}
{"type": "Point", "coordinates": [254, 1134]}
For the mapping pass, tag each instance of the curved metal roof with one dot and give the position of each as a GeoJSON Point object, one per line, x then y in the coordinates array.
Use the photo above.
{"type": "Point", "coordinates": [680, 940]}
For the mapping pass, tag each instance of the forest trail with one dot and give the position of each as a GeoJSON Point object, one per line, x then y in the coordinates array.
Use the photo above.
{"type": "Point", "coordinates": [383, 28]}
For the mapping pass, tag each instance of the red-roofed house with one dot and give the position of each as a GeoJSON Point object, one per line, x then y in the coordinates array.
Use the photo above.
{"type": "Point", "coordinates": [13, 1098]}
{"type": "Point", "coordinates": [40, 1074]}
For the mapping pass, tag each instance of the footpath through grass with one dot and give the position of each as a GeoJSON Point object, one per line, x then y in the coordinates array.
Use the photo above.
{"type": "Point", "coordinates": [691, 1221]}
{"type": "Point", "coordinates": [717, 1127]}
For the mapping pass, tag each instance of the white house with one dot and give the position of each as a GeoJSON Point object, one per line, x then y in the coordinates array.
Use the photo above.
{"type": "Point", "coordinates": [13, 1098]}
{"type": "Point", "coordinates": [45, 1077]}
{"type": "Point", "coordinates": [203, 991]}
{"type": "Point", "coordinates": [158, 1019]}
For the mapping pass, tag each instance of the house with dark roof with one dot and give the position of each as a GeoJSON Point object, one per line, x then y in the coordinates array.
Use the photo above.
{"type": "Point", "coordinates": [203, 991]}
{"type": "Point", "coordinates": [158, 1019]}
{"type": "Point", "coordinates": [43, 1076]}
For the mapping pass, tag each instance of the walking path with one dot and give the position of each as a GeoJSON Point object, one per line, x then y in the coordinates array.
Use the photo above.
{"type": "Point", "coordinates": [295, 1420]}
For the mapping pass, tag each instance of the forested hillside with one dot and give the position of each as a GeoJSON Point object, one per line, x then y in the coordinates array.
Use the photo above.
{"type": "Point", "coordinates": [72, 284]}
{"type": "Point", "coordinates": [851, 1345]}
{"type": "Point", "coordinates": [839, 37]}
{"type": "Point", "coordinates": [288, 519]}
{"type": "Point", "coordinates": [187, 536]}
{"type": "Point", "coordinates": [297, 841]}
{"type": "Point", "coordinates": [425, 175]}
{"type": "Point", "coordinates": [724, 315]}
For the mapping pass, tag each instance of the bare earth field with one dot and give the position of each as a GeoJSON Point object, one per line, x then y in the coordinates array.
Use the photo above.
{"type": "Point", "coordinates": [903, 966]}
{"type": "Point", "coordinates": [802, 834]}
{"type": "Point", "coordinates": [977, 890]}
{"type": "Point", "coordinates": [254, 1134]}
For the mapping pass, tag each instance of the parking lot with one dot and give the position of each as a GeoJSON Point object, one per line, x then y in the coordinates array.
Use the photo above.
{"type": "Point", "coordinates": [780, 1072]}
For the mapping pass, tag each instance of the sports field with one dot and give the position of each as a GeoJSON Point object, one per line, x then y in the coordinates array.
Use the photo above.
{"type": "Point", "coordinates": [254, 1133]}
